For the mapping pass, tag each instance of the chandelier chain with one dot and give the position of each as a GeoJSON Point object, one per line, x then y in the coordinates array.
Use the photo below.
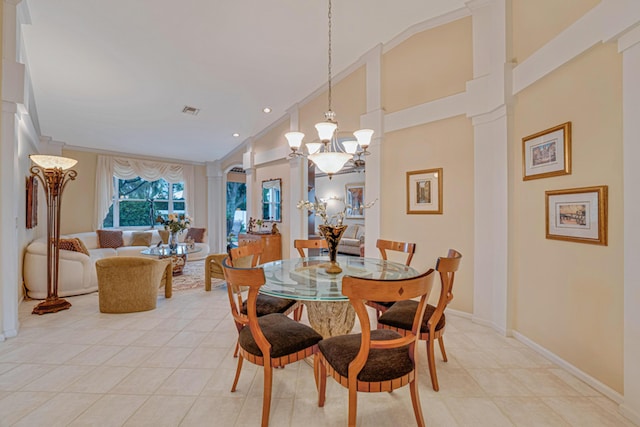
{"type": "Point", "coordinates": [329, 62]}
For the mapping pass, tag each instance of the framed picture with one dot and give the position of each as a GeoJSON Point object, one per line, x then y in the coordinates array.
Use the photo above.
{"type": "Point", "coordinates": [424, 191]}
{"type": "Point", "coordinates": [32, 202]}
{"type": "Point", "coordinates": [547, 153]}
{"type": "Point", "coordinates": [577, 215]}
{"type": "Point", "coordinates": [354, 199]}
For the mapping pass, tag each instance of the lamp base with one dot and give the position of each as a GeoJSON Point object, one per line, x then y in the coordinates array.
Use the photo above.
{"type": "Point", "coordinates": [51, 305]}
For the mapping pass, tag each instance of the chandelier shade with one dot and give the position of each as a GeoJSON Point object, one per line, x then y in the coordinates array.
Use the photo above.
{"type": "Point", "coordinates": [52, 162]}
{"type": "Point", "coordinates": [331, 155]}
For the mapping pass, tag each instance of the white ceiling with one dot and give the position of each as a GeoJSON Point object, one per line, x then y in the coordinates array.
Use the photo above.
{"type": "Point", "coordinates": [115, 74]}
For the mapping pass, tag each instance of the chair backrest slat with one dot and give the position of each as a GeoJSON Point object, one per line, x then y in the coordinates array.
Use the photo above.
{"type": "Point", "coordinates": [447, 267]}
{"type": "Point", "coordinates": [389, 245]}
{"type": "Point", "coordinates": [253, 249]}
{"type": "Point", "coordinates": [300, 245]}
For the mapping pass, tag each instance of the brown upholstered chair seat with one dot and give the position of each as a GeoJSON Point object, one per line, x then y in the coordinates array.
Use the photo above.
{"type": "Point", "coordinates": [381, 365]}
{"type": "Point", "coordinates": [285, 335]}
{"type": "Point", "coordinates": [266, 304]}
{"type": "Point", "coordinates": [401, 314]}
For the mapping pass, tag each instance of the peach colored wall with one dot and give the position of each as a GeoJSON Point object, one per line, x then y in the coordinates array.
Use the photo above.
{"type": "Point", "coordinates": [537, 22]}
{"type": "Point", "coordinates": [429, 65]}
{"type": "Point", "coordinates": [569, 296]}
{"type": "Point", "coordinates": [274, 138]}
{"type": "Point", "coordinates": [78, 203]}
{"type": "Point", "coordinates": [446, 144]}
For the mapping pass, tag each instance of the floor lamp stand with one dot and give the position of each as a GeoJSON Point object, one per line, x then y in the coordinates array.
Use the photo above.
{"type": "Point", "coordinates": [53, 180]}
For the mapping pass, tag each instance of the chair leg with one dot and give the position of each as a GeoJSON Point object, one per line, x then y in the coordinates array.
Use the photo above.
{"type": "Point", "coordinates": [297, 313]}
{"type": "Point", "coordinates": [321, 379]}
{"type": "Point", "coordinates": [235, 352]}
{"type": "Point", "coordinates": [432, 364]}
{"type": "Point", "coordinates": [353, 404]}
{"type": "Point", "coordinates": [266, 399]}
{"type": "Point", "coordinates": [444, 353]}
{"type": "Point", "coordinates": [415, 400]}
{"type": "Point", "coordinates": [238, 369]}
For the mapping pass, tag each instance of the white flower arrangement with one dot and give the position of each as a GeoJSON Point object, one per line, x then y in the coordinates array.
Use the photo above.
{"type": "Point", "coordinates": [320, 209]}
{"type": "Point", "coordinates": [175, 223]}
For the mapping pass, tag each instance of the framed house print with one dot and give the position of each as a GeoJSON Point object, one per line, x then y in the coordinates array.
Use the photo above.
{"type": "Point", "coordinates": [354, 199]}
{"type": "Point", "coordinates": [547, 153]}
{"type": "Point", "coordinates": [424, 191]}
{"type": "Point", "coordinates": [577, 215]}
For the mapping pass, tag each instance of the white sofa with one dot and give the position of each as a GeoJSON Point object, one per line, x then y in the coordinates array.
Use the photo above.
{"type": "Point", "coordinates": [351, 239]}
{"type": "Point", "coordinates": [77, 270]}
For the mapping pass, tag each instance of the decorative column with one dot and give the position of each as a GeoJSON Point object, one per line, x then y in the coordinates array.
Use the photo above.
{"type": "Point", "coordinates": [54, 173]}
{"type": "Point", "coordinates": [216, 207]}
{"type": "Point", "coordinates": [629, 45]}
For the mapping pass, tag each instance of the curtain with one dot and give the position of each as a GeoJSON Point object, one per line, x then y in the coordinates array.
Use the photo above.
{"type": "Point", "coordinates": [124, 168]}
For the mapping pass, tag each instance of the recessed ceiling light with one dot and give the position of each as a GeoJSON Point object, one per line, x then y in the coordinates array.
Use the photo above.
{"type": "Point", "coordinates": [236, 134]}
{"type": "Point", "coordinates": [266, 110]}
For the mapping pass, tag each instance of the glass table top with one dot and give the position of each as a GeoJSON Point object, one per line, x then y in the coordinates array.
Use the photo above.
{"type": "Point", "coordinates": [305, 278]}
{"type": "Point", "coordinates": [164, 251]}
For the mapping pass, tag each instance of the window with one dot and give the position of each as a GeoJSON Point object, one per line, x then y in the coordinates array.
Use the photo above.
{"type": "Point", "coordinates": [138, 202]}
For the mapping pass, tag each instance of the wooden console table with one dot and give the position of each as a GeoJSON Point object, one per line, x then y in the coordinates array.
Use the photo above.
{"type": "Point", "coordinates": [271, 245]}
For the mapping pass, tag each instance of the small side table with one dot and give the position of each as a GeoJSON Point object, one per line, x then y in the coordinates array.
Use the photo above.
{"type": "Point", "coordinates": [178, 256]}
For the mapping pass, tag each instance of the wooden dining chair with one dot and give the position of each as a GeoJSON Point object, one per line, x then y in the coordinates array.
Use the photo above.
{"type": "Point", "coordinates": [271, 340]}
{"type": "Point", "coordinates": [400, 315]}
{"type": "Point", "coordinates": [389, 245]}
{"type": "Point", "coordinates": [378, 360]}
{"type": "Point", "coordinates": [248, 256]}
{"type": "Point", "coordinates": [300, 245]}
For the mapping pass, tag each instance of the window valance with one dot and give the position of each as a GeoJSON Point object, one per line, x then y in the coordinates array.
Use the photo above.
{"type": "Point", "coordinates": [124, 168]}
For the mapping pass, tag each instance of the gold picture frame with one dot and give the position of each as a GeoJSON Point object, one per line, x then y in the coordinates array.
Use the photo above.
{"type": "Point", "coordinates": [577, 215]}
{"type": "Point", "coordinates": [424, 191]}
{"type": "Point", "coordinates": [547, 153]}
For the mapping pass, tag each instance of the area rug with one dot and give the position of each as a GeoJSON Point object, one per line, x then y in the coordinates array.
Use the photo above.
{"type": "Point", "coordinates": [192, 277]}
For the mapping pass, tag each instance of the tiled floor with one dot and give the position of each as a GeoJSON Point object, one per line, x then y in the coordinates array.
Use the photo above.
{"type": "Point", "coordinates": [174, 366]}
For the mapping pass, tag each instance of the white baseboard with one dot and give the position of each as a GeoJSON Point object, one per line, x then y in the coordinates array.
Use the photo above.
{"type": "Point", "coordinates": [459, 313]}
{"type": "Point", "coordinates": [602, 388]}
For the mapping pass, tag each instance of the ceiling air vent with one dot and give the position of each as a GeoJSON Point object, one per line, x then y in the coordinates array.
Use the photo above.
{"type": "Point", "coordinates": [190, 110]}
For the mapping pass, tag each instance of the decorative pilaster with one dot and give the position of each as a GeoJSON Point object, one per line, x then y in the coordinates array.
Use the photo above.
{"type": "Point", "coordinates": [216, 207]}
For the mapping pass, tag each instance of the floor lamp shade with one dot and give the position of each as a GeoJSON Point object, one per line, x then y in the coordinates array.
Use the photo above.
{"type": "Point", "coordinates": [54, 173]}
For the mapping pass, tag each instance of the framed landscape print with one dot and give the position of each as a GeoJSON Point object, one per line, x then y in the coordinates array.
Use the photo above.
{"type": "Point", "coordinates": [424, 191]}
{"type": "Point", "coordinates": [577, 215]}
{"type": "Point", "coordinates": [547, 153]}
{"type": "Point", "coordinates": [354, 198]}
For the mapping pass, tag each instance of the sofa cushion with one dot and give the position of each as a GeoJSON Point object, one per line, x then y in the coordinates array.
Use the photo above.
{"type": "Point", "coordinates": [350, 232]}
{"type": "Point", "coordinates": [73, 244]}
{"type": "Point", "coordinates": [197, 234]}
{"type": "Point", "coordinates": [360, 233]}
{"type": "Point", "coordinates": [110, 238]}
{"type": "Point", "coordinates": [140, 238]}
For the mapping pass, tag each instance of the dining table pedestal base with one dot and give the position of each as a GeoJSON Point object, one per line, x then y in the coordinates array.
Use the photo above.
{"type": "Point", "coordinates": [331, 318]}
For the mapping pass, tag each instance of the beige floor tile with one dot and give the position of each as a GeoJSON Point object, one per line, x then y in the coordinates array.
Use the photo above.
{"type": "Point", "coordinates": [60, 410]}
{"type": "Point", "coordinates": [476, 412]}
{"type": "Point", "coordinates": [477, 359]}
{"type": "Point", "coordinates": [167, 357]}
{"type": "Point", "coordinates": [204, 357]}
{"type": "Point", "coordinates": [100, 380]}
{"type": "Point", "coordinates": [5, 367]}
{"type": "Point", "coordinates": [58, 378]}
{"type": "Point", "coordinates": [96, 355]}
{"type": "Point", "coordinates": [529, 412]}
{"type": "Point", "coordinates": [142, 381]}
{"type": "Point", "coordinates": [172, 325]}
{"type": "Point", "coordinates": [124, 337]}
{"type": "Point", "coordinates": [219, 385]}
{"type": "Point", "coordinates": [222, 411]}
{"type": "Point", "coordinates": [453, 382]}
{"type": "Point", "coordinates": [499, 382]}
{"type": "Point", "coordinates": [19, 404]}
{"type": "Point", "coordinates": [200, 325]}
{"type": "Point", "coordinates": [574, 382]}
{"type": "Point", "coordinates": [185, 382]}
{"type": "Point", "coordinates": [131, 356]}
{"type": "Point", "coordinates": [109, 411]}
{"type": "Point", "coordinates": [21, 375]}
{"type": "Point", "coordinates": [436, 413]}
{"type": "Point", "coordinates": [186, 339]}
{"type": "Point", "coordinates": [307, 413]}
{"type": "Point", "coordinates": [155, 338]}
{"type": "Point", "coordinates": [543, 383]}
{"type": "Point", "coordinates": [251, 412]}
{"type": "Point", "coordinates": [581, 411]}
{"type": "Point", "coordinates": [161, 411]}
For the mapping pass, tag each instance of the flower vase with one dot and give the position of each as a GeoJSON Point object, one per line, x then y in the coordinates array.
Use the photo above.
{"type": "Point", "coordinates": [332, 234]}
{"type": "Point", "coordinates": [173, 241]}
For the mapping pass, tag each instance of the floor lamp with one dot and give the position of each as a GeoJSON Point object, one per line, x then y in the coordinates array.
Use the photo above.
{"type": "Point", "coordinates": [53, 173]}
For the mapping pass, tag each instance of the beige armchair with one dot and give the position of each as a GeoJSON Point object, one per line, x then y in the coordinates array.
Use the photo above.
{"type": "Point", "coordinates": [130, 284]}
{"type": "Point", "coordinates": [213, 269]}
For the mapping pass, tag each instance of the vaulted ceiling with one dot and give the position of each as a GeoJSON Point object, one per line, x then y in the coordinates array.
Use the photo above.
{"type": "Point", "coordinates": [115, 75]}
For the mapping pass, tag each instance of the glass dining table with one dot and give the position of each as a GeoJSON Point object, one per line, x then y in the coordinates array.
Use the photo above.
{"type": "Point", "coordinates": [305, 279]}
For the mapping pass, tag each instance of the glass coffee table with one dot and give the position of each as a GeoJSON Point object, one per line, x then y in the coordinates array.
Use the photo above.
{"type": "Point", "coordinates": [178, 256]}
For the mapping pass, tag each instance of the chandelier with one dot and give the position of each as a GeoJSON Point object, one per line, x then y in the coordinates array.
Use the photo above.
{"type": "Point", "coordinates": [331, 155]}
